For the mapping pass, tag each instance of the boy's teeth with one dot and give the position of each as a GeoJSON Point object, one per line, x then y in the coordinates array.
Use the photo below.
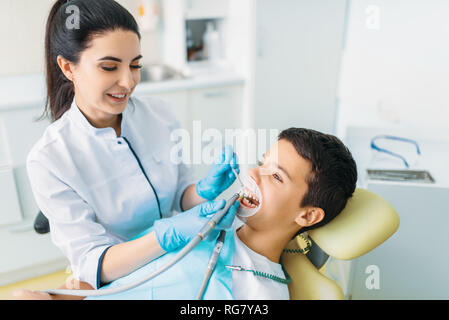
{"type": "Point", "coordinates": [248, 198]}
{"type": "Point", "coordinates": [247, 203]}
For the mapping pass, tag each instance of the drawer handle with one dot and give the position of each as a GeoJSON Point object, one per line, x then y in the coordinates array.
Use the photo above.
{"type": "Point", "coordinates": [216, 94]}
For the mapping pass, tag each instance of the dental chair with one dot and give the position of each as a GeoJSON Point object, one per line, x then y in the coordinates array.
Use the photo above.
{"type": "Point", "coordinates": [366, 222]}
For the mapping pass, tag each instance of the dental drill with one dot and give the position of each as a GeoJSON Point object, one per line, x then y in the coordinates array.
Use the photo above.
{"type": "Point", "coordinates": [219, 244]}
{"type": "Point", "coordinates": [212, 263]}
{"type": "Point", "coordinates": [204, 231]}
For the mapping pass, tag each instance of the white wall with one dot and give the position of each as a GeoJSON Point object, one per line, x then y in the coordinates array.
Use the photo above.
{"type": "Point", "coordinates": [395, 68]}
{"type": "Point", "coordinates": [297, 61]}
{"type": "Point", "coordinates": [22, 30]}
{"type": "Point", "coordinates": [240, 51]}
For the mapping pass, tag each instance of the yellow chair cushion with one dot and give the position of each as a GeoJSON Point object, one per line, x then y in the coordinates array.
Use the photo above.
{"type": "Point", "coordinates": [307, 282]}
{"type": "Point", "coordinates": [365, 223]}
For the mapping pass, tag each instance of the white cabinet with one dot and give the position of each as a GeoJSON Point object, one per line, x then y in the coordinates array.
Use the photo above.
{"type": "Point", "coordinates": [214, 108]}
{"type": "Point", "coordinates": [178, 100]}
{"type": "Point", "coordinates": [413, 263]}
{"type": "Point", "coordinates": [199, 109]}
{"type": "Point", "coordinates": [20, 132]}
{"type": "Point", "coordinates": [180, 16]}
{"type": "Point", "coordinates": [26, 254]}
{"type": "Point", "coordinates": [218, 107]}
{"type": "Point", "coordinates": [10, 208]}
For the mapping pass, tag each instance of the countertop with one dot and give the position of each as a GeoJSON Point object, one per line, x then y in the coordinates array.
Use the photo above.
{"type": "Point", "coordinates": [29, 90]}
{"type": "Point", "coordinates": [434, 153]}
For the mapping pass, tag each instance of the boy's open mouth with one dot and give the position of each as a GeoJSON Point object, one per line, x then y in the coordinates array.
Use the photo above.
{"type": "Point", "coordinates": [249, 199]}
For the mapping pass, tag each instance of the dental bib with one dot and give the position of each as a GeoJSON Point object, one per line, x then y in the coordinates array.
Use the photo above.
{"type": "Point", "coordinates": [243, 212]}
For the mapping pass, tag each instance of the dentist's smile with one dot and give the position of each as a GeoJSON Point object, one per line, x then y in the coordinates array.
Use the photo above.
{"type": "Point", "coordinates": [117, 97]}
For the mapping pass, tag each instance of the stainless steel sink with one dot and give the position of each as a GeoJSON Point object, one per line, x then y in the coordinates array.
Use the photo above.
{"type": "Point", "coordinates": [400, 175]}
{"type": "Point", "coordinates": [159, 72]}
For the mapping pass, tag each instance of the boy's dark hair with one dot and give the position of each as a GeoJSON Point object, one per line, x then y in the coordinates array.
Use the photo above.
{"type": "Point", "coordinates": [333, 177]}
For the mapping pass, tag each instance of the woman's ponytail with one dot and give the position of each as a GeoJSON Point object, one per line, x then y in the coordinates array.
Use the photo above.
{"type": "Point", "coordinates": [95, 17]}
{"type": "Point", "coordinates": [60, 90]}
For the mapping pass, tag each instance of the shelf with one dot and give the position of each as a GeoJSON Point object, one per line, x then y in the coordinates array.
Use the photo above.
{"type": "Point", "coordinates": [205, 80]}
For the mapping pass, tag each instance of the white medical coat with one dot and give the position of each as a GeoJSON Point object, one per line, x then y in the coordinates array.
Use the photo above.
{"type": "Point", "coordinates": [89, 183]}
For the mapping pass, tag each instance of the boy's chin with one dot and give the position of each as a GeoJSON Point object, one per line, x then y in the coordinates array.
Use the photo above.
{"type": "Point", "coordinates": [250, 218]}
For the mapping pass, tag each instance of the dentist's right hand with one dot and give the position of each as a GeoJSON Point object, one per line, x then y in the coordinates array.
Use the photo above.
{"type": "Point", "coordinates": [177, 231]}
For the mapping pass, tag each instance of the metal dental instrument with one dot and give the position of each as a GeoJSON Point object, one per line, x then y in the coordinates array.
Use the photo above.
{"type": "Point", "coordinates": [212, 263]}
{"type": "Point", "coordinates": [204, 231]}
{"type": "Point", "coordinates": [238, 177]}
{"type": "Point", "coordinates": [242, 193]}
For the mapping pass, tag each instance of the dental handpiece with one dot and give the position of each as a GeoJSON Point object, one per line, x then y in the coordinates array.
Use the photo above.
{"type": "Point", "coordinates": [212, 263]}
{"type": "Point", "coordinates": [210, 225]}
{"type": "Point", "coordinates": [204, 231]}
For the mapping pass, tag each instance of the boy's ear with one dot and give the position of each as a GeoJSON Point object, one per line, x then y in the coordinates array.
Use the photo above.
{"type": "Point", "coordinates": [309, 216]}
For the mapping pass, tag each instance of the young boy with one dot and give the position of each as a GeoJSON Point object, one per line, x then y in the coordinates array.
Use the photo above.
{"type": "Point", "coordinates": [305, 186]}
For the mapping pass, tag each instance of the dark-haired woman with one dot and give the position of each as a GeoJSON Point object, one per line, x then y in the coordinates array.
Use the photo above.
{"type": "Point", "coordinates": [101, 173]}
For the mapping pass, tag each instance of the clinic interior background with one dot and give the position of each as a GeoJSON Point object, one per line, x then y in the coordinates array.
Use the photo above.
{"type": "Point", "coordinates": [353, 68]}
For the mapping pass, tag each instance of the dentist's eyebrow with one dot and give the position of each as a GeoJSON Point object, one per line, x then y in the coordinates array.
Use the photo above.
{"type": "Point", "coordinates": [119, 60]}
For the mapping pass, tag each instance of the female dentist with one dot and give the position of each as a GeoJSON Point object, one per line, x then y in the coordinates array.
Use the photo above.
{"type": "Point", "coordinates": [101, 173]}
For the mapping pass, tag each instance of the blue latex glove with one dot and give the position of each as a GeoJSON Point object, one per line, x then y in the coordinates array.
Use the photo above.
{"type": "Point", "coordinates": [176, 231]}
{"type": "Point", "coordinates": [220, 176]}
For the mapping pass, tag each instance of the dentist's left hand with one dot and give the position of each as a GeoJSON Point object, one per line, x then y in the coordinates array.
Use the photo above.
{"type": "Point", "coordinates": [176, 231]}
{"type": "Point", "coordinates": [220, 176]}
